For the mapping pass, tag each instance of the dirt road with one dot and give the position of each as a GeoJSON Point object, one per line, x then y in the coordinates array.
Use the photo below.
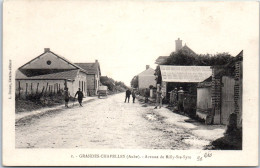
{"type": "Point", "coordinates": [111, 123]}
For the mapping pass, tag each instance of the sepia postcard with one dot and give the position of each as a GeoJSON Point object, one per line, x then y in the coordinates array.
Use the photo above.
{"type": "Point", "coordinates": [130, 83]}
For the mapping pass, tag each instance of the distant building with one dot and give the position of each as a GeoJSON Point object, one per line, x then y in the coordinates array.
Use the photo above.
{"type": "Point", "coordinates": [93, 76]}
{"type": "Point", "coordinates": [146, 78]}
{"type": "Point", "coordinates": [178, 48]}
{"type": "Point", "coordinates": [49, 73]}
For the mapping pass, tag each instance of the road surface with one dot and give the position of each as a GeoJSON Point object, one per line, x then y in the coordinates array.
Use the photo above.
{"type": "Point", "coordinates": [111, 123]}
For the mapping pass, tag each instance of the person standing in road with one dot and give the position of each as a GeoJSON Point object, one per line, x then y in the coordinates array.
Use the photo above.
{"type": "Point", "coordinates": [66, 97]}
{"type": "Point", "coordinates": [127, 95]}
{"type": "Point", "coordinates": [133, 95]}
{"type": "Point", "coordinates": [146, 95]}
{"type": "Point", "coordinates": [80, 96]}
{"type": "Point", "coordinates": [159, 98]}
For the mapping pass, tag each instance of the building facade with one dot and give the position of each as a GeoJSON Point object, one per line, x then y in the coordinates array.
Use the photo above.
{"type": "Point", "coordinates": [146, 78]}
{"type": "Point", "coordinates": [93, 76]}
{"type": "Point", "coordinates": [49, 73]}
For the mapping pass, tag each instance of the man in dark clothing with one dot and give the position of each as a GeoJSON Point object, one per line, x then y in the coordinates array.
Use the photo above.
{"type": "Point", "coordinates": [80, 96]}
{"type": "Point", "coordinates": [146, 95]}
{"type": "Point", "coordinates": [127, 95]}
{"type": "Point", "coordinates": [66, 97]}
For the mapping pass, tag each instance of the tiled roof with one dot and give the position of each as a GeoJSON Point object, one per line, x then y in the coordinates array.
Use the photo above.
{"type": "Point", "coordinates": [91, 68]}
{"type": "Point", "coordinates": [19, 75]}
{"type": "Point", "coordinates": [147, 72]}
{"type": "Point", "coordinates": [189, 74]}
{"type": "Point", "coordinates": [58, 57]}
{"type": "Point", "coordinates": [69, 75]}
{"type": "Point", "coordinates": [187, 50]}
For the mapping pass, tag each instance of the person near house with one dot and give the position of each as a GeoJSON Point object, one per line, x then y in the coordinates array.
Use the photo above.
{"type": "Point", "coordinates": [175, 96]}
{"type": "Point", "coordinates": [133, 96]}
{"type": "Point", "coordinates": [66, 96]}
{"type": "Point", "coordinates": [180, 99]}
{"type": "Point", "coordinates": [80, 96]}
{"type": "Point", "coordinates": [127, 95]}
{"type": "Point", "coordinates": [146, 95]}
{"type": "Point", "coordinates": [158, 98]}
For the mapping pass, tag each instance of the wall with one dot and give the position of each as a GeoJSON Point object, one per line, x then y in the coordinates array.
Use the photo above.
{"type": "Point", "coordinates": [41, 63]}
{"type": "Point", "coordinates": [216, 97]}
{"type": "Point", "coordinates": [204, 102]}
{"type": "Point", "coordinates": [238, 91]}
{"type": "Point", "coordinates": [80, 82]}
{"type": "Point", "coordinates": [146, 81]}
{"type": "Point", "coordinates": [91, 82]}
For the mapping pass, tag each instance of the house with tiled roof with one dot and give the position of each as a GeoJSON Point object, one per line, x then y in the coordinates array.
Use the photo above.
{"type": "Point", "coordinates": [146, 78]}
{"type": "Point", "coordinates": [49, 73]}
{"type": "Point", "coordinates": [93, 76]}
{"type": "Point", "coordinates": [161, 60]}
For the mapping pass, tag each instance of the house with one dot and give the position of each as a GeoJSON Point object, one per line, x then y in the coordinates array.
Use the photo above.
{"type": "Point", "coordinates": [93, 76]}
{"type": "Point", "coordinates": [178, 48]}
{"type": "Point", "coordinates": [49, 73]}
{"type": "Point", "coordinates": [221, 95]}
{"type": "Point", "coordinates": [146, 78]}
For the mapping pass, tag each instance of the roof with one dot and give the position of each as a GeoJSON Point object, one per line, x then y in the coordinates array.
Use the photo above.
{"type": "Point", "coordinates": [19, 75]}
{"type": "Point", "coordinates": [187, 50]}
{"type": "Point", "coordinates": [69, 75]}
{"type": "Point", "coordinates": [161, 59]}
{"type": "Point", "coordinates": [188, 74]}
{"type": "Point", "coordinates": [64, 59]}
{"type": "Point", "coordinates": [91, 68]}
{"type": "Point", "coordinates": [147, 72]}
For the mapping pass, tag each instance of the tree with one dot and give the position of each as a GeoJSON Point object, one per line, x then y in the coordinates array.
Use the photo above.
{"type": "Point", "coordinates": [183, 58]}
{"type": "Point", "coordinates": [134, 82]}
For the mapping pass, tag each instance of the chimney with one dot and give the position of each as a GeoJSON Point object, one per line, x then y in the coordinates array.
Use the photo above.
{"type": "Point", "coordinates": [96, 61]}
{"type": "Point", "coordinates": [178, 45]}
{"type": "Point", "coordinates": [46, 49]}
{"type": "Point", "coordinates": [147, 67]}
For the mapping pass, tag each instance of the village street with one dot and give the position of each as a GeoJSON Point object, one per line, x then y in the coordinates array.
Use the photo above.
{"type": "Point", "coordinates": [111, 123]}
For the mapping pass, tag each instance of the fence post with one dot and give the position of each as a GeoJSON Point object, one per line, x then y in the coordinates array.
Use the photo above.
{"type": "Point", "coordinates": [19, 89]}
{"type": "Point", "coordinates": [46, 87]}
{"type": "Point", "coordinates": [37, 88]}
{"type": "Point", "coordinates": [26, 89]}
{"type": "Point", "coordinates": [31, 88]}
{"type": "Point", "coordinates": [42, 90]}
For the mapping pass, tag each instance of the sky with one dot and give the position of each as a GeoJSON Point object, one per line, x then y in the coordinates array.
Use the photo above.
{"type": "Point", "coordinates": [125, 36]}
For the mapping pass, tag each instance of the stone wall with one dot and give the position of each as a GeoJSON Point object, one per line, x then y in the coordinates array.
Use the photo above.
{"type": "Point", "coordinates": [216, 96]}
{"type": "Point", "coordinates": [238, 92]}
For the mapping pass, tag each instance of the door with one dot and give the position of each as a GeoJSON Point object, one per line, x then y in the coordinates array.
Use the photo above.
{"type": "Point", "coordinates": [227, 97]}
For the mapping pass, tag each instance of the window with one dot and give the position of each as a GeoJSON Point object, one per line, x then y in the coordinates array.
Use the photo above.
{"type": "Point", "coordinates": [48, 62]}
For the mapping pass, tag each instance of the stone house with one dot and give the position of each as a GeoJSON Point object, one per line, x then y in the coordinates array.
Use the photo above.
{"type": "Point", "coordinates": [93, 76]}
{"type": "Point", "coordinates": [178, 48]}
{"type": "Point", "coordinates": [146, 78]}
{"type": "Point", "coordinates": [222, 93]}
{"type": "Point", "coordinates": [49, 73]}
